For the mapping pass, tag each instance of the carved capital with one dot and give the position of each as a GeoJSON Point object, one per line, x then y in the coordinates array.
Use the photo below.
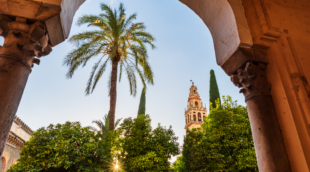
{"type": "Point", "coordinates": [252, 80]}
{"type": "Point", "coordinates": [23, 40]}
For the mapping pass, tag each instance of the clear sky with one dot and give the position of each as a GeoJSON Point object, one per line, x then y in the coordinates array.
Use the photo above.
{"type": "Point", "coordinates": [184, 52]}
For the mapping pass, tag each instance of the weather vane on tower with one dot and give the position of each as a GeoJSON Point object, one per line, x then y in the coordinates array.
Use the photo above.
{"type": "Point", "coordinates": [192, 82]}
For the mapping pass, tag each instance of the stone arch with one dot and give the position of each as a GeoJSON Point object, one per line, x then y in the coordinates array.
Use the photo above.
{"type": "Point", "coordinates": [228, 26]}
{"type": "Point", "coordinates": [3, 164]}
{"type": "Point", "coordinates": [234, 50]}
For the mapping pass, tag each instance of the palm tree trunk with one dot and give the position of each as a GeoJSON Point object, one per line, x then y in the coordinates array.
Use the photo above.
{"type": "Point", "coordinates": [113, 94]}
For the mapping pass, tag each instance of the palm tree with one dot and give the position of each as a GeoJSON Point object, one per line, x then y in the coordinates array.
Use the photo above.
{"type": "Point", "coordinates": [104, 125]}
{"type": "Point", "coordinates": [117, 40]}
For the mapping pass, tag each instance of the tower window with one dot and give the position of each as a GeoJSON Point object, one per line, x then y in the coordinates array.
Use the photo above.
{"type": "Point", "coordinates": [196, 104]}
{"type": "Point", "coordinates": [199, 117]}
{"type": "Point", "coordinates": [194, 91]}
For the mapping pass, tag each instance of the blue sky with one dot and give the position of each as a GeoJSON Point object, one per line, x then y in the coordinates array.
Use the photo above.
{"type": "Point", "coordinates": [184, 52]}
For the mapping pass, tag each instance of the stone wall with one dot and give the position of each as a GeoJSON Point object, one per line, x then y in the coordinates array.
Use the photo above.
{"type": "Point", "coordinates": [19, 134]}
{"type": "Point", "coordinates": [10, 155]}
{"type": "Point", "coordinates": [286, 24]}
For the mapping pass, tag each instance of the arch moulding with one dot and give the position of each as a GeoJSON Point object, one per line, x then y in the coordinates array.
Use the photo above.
{"type": "Point", "coordinates": [228, 26]}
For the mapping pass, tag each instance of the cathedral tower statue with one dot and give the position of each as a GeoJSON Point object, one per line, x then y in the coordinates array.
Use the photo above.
{"type": "Point", "coordinates": [195, 112]}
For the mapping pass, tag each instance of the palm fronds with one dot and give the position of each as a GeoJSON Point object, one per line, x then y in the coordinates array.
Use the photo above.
{"type": "Point", "coordinates": [103, 125]}
{"type": "Point", "coordinates": [116, 36]}
{"type": "Point", "coordinates": [116, 39]}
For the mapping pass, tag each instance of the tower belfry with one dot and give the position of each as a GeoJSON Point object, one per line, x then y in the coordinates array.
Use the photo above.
{"type": "Point", "coordinates": [195, 112]}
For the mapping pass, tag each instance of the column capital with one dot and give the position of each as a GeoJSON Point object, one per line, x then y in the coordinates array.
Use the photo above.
{"type": "Point", "coordinates": [252, 80]}
{"type": "Point", "coordinates": [24, 40]}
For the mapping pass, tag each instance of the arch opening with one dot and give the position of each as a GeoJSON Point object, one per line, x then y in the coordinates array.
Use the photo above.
{"type": "Point", "coordinates": [1, 41]}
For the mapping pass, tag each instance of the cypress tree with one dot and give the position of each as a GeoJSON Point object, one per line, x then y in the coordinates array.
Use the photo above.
{"type": "Point", "coordinates": [141, 110]}
{"type": "Point", "coordinates": [214, 93]}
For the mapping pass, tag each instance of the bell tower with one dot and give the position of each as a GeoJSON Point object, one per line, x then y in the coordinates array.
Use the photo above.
{"type": "Point", "coordinates": [195, 112]}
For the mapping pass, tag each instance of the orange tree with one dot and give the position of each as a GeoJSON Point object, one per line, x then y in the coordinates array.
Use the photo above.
{"type": "Point", "coordinates": [224, 142]}
{"type": "Point", "coordinates": [178, 165]}
{"type": "Point", "coordinates": [65, 148]}
{"type": "Point", "coordinates": [146, 149]}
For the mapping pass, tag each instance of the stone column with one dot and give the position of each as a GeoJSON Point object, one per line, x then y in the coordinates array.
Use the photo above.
{"type": "Point", "coordinates": [23, 41]}
{"type": "Point", "coordinates": [268, 141]}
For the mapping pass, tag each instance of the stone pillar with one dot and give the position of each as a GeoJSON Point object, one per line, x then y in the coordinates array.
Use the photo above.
{"type": "Point", "coordinates": [23, 41]}
{"type": "Point", "coordinates": [268, 141]}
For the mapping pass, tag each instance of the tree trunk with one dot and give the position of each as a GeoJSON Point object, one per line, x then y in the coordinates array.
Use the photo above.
{"type": "Point", "coordinates": [113, 94]}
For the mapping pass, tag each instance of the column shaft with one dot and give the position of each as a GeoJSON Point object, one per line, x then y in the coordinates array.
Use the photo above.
{"type": "Point", "coordinates": [13, 79]}
{"type": "Point", "coordinates": [24, 40]}
{"type": "Point", "coordinates": [268, 141]}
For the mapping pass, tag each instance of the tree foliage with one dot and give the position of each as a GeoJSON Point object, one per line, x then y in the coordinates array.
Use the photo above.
{"type": "Point", "coordinates": [104, 124]}
{"type": "Point", "coordinates": [224, 142]}
{"type": "Point", "coordinates": [141, 110]}
{"type": "Point", "coordinates": [179, 165]}
{"type": "Point", "coordinates": [116, 38]}
{"type": "Point", "coordinates": [145, 149]}
{"type": "Point", "coordinates": [214, 93]}
{"type": "Point", "coordinates": [68, 147]}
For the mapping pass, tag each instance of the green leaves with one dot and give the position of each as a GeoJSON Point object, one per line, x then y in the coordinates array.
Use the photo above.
{"type": "Point", "coordinates": [214, 94]}
{"type": "Point", "coordinates": [73, 148]}
{"type": "Point", "coordinates": [179, 165]}
{"type": "Point", "coordinates": [144, 149]}
{"type": "Point", "coordinates": [116, 38]}
{"type": "Point", "coordinates": [224, 142]}
{"type": "Point", "coordinates": [141, 110]}
{"type": "Point", "coordinates": [104, 125]}
{"type": "Point", "coordinates": [67, 147]}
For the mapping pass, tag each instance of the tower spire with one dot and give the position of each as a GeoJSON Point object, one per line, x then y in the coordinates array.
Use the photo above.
{"type": "Point", "coordinates": [195, 113]}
